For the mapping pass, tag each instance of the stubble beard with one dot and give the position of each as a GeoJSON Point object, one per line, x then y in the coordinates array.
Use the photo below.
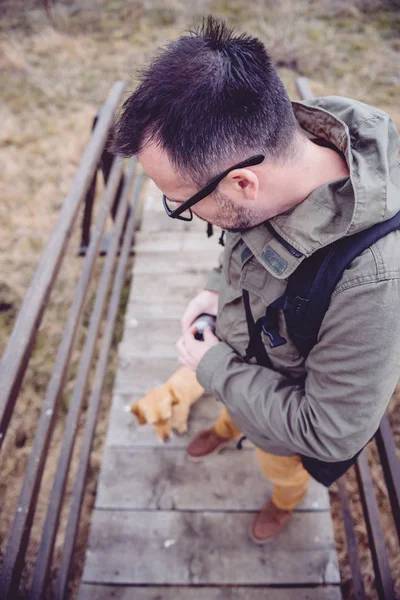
{"type": "Point", "coordinates": [234, 218]}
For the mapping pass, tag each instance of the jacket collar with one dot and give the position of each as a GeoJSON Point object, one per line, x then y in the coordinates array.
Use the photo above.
{"type": "Point", "coordinates": [324, 216]}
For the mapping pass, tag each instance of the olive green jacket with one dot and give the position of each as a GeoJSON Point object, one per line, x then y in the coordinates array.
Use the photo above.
{"type": "Point", "coordinates": [330, 405]}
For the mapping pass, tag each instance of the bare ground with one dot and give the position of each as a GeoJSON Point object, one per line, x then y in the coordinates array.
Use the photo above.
{"type": "Point", "coordinates": [54, 72]}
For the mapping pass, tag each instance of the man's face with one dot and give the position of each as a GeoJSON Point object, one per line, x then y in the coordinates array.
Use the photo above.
{"type": "Point", "coordinates": [219, 208]}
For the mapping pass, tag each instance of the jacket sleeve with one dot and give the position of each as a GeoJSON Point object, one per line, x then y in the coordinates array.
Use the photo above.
{"type": "Point", "coordinates": [213, 281]}
{"type": "Point", "coordinates": [352, 372]}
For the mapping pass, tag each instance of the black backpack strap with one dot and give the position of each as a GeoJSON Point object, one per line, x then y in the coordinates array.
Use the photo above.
{"type": "Point", "coordinates": [268, 324]}
{"type": "Point", "coordinates": [249, 314]}
{"type": "Point", "coordinates": [309, 290]}
{"type": "Point", "coordinates": [308, 294]}
{"type": "Point", "coordinates": [256, 347]}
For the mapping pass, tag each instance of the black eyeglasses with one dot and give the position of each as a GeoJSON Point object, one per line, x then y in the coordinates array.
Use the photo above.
{"type": "Point", "coordinates": [206, 191]}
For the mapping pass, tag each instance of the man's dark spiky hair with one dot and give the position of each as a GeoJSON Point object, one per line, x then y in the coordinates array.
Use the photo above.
{"type": "Point", "coordinates": [207, 98]}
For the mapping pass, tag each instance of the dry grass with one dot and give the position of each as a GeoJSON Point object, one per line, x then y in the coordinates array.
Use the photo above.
{"type": "Point", "coordinates": [54, 73]}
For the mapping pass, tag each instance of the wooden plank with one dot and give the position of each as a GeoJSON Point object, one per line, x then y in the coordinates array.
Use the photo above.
{"type": "Point", "coordinates": [175, 262]}
{"type": "Point", "coordinates": [165, 479]}
{"type": "Point", "coordinates": [102, 592]}
{"type": "Point", "coordinates": [124, 430]}
{"type": "Point", "coordinates": [153, 203]}
{"type": "Point", "coordinates": [161, 241]}
{"type": "Point", "coordinates": [139, 310]}
{"type": "Point", "coordinates": [166, 289]}
{"type": "Point", "coordinates": [181, 548]}
{"type": "Point", "coordinates": [159, 221]}
{"type": "Point", "coordinates": [150, 338]}
{"type": "Point", "coordinates": [137, 375]}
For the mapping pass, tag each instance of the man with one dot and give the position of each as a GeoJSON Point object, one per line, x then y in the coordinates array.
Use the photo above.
{"type": "Point", "coordinates": [293, 178]}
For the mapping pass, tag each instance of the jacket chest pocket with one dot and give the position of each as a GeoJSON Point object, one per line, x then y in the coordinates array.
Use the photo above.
{"type": "Point", "coordinates": [231, 265]}
{"type": "Point", "coordinates": [231, 319]}
{"type": "Point", "coordinates": [285, 358]}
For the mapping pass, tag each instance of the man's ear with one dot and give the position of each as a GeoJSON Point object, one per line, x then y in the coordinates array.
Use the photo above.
{"type": "Point", "coordinates": [239, 181]}
{"type": "Point", "coordinates": [136, 410]}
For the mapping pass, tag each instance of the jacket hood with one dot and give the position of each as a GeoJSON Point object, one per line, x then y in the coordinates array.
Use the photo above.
{"type": "Point", "coordinates": [369, 141]}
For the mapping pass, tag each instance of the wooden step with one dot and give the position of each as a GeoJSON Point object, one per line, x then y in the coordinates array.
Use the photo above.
{"type": "Point", "coordinates": [103, 592]}
{"type": "Point", "coordinates": [207, 548]}
{"type": "Point", "coordinates": [164, 478]}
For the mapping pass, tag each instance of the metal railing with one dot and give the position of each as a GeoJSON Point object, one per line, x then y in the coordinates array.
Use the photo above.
{"type": "Point", "coordinates": [120, 201]}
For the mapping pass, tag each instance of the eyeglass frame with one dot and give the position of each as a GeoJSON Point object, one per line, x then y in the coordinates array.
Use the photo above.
{"type": "Point", "coordinates": [207, 190]}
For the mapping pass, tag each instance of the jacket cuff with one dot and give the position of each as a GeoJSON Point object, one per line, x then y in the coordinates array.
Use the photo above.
{"type": "Point", "coordinates": [213, 280]}
{"type": "Point", "coordinates": [210, 363]}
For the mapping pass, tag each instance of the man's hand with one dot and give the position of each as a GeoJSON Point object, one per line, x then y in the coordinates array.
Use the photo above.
{"type": "Point", "coordinates": [191, 351]}
{"type": "Point", "coordinates": [205, 302]}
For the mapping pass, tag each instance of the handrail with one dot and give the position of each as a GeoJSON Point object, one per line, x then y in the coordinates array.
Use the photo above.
{"type": "Point", "coordinates": [57, 493]}
{"type": "Point", "coordinates": [123, 185]}
{"type": "Point", "coordinates": [303, 88]}
{"type": "Point", "coordinates": [391, 468]}
{"type": "Point", "coordinates": [383, 576]}
{"type": "Point", "coordinates": [94, 401]}
{"type": "Point", "coordinates": [19, 348]}
{"type": "Point", "coordinates": [19, 537]}
{"type": "Point", "coordinates": [354, 559]}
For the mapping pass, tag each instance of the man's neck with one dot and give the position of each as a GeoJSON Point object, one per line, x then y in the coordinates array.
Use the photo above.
{"type": "Point", "coordinates": [284, 186]}
{"type": "Point", "coordinates": [317, 166]}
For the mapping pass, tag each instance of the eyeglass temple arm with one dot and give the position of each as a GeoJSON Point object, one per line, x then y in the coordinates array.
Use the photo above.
{"type": "Point", "coordinates": [250, 162]}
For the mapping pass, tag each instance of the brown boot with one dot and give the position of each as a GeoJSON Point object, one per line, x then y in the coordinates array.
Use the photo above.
{"type": "Point", "coordinates": [268, 523]}
{"type": "Point", "coordinates": [206, 444]}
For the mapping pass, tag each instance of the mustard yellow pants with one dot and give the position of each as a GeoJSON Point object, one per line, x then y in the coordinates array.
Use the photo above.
{"type": "Point", "coordinates": [286, 473]}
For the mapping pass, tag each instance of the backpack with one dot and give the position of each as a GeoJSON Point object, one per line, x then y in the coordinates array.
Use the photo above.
{"type": "Point", "coordinates": [304, 304]}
